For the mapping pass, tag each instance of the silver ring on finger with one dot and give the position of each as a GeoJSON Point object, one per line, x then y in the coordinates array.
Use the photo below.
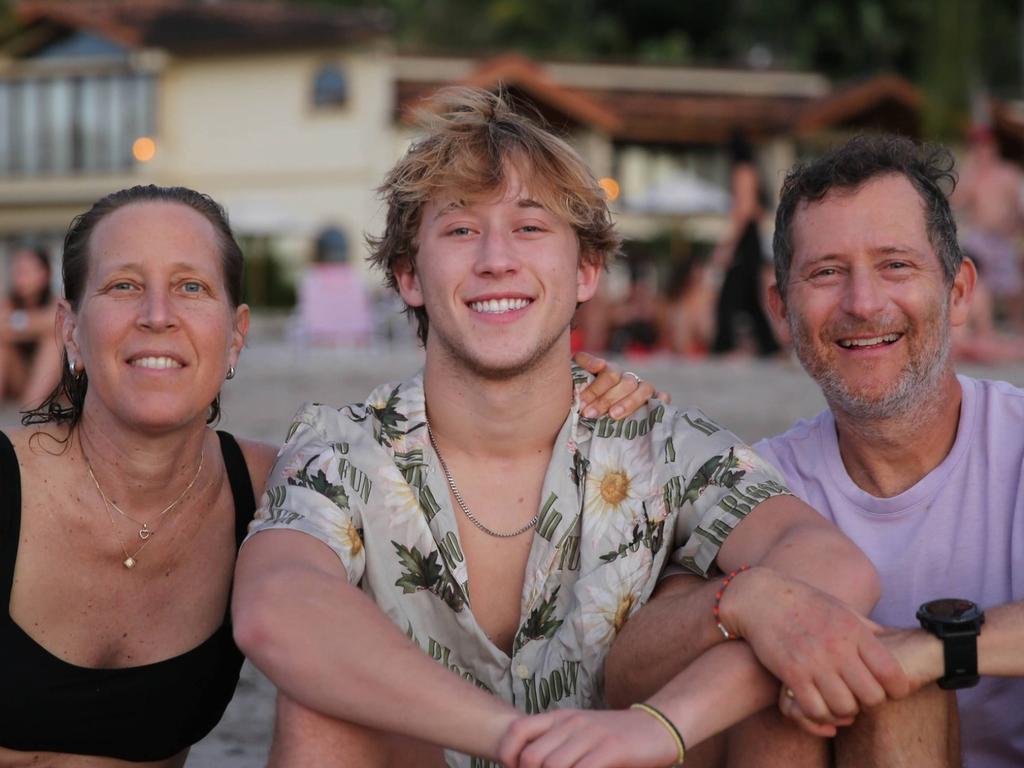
{"type": "Point", "coordinates": [639, 381]}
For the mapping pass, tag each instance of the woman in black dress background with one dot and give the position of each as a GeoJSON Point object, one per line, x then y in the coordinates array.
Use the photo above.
{"type": "Point", "coordinates": [741, 293]}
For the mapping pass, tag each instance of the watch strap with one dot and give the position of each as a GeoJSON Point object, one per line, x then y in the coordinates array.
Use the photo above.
{"type": "Point", "coordinates": [960, 653]}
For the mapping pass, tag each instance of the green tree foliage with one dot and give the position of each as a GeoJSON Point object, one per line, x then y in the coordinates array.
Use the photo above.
{"type": "Point", "coordinates": [951, 48]}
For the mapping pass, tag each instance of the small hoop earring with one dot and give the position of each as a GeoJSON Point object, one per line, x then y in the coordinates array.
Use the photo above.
{"type": "Point", "coordinates": [231, 372]}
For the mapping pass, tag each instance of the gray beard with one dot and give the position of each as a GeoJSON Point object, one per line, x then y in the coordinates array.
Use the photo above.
{"type": "Point", "coordinates": [915, 394]}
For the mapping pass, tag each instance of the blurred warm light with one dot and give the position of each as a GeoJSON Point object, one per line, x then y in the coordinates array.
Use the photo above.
{"type": "Point", "coordinates": [143, 149]}
{"type": "Point", "coordinates": [610, 187]}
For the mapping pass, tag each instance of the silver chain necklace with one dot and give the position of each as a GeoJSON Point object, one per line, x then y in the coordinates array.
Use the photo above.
{"type": "Point", "coordinates": [465, 509]}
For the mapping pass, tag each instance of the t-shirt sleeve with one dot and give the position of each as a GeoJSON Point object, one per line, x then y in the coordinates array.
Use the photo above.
{"type": "Point", "coordinates": [314, 488]}
{"type": "Point", "coordinates": [715, 480]}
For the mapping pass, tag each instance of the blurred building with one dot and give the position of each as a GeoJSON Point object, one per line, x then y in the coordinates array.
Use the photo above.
{"type": "Point", "coordinates": [290, 116]}
{"type": "Point", "coordinates": [282, 113]}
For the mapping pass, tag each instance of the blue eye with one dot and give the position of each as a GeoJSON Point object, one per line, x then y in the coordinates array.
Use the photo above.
{"type": "Point", "coordinates": [191, 286]}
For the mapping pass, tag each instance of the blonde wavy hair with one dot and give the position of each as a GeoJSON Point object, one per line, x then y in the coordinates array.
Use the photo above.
{"type": "Point", "coordinates": [470, 139]}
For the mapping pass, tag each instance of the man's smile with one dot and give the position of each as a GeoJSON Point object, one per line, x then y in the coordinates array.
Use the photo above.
{"type": "Point", "coordinates": [870, 342]}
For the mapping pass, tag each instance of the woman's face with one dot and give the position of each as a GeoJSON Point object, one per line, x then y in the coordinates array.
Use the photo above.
{"type": "Point", "coordinates": [29, 277]}
{"type": "Point", "coordinates": [155, 330]}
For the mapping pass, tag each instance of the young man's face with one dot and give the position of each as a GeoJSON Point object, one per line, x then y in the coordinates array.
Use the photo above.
{"type": "Point", "coordinates": [867, 305]}
{"type": "Point", "coordinates": [499, 278]}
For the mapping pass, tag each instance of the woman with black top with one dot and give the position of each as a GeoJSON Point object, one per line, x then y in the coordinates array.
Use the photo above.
{"type": "Point", "coordinates": [741, 255]}
{"type": "Point", "coordinates": [121, 511]}
{"type": "Point", "coordinates": [29, 356]}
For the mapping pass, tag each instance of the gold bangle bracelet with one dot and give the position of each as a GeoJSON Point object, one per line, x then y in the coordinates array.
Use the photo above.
{"type": "Point", "coordinates": [669, 726]}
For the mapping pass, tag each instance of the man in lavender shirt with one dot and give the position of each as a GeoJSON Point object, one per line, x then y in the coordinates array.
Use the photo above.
{"type": "Point", "coordinates": [922, 468]}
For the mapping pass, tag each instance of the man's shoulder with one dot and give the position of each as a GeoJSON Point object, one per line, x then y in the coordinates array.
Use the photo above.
{"type": "Point", "coordinates": [797, 437]}
{"type": "Point", "coordinates": [996, 408]}
{"type": "Point", "coordinates": [995, 391]}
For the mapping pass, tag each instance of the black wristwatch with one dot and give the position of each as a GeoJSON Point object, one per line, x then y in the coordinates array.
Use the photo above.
{"type": "Point", "coordinates": [957, 623]}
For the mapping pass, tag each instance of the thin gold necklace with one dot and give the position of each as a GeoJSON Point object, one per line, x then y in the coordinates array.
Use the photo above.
{"type": "Point", "coordinates": [145, 533]}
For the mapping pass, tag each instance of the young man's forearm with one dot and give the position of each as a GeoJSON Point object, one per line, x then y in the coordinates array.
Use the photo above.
{"type": "Point", "coordinates": [329, 647]}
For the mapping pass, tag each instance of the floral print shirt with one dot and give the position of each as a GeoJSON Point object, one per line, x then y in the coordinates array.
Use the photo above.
{"type": "Point", "coordinates": [620, 500]}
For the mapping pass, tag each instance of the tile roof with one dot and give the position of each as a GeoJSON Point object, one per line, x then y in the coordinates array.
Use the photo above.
{"type": "Point", "coordinates": [182, 27]}
{"type": "Point", "coordinates": [678, 114]}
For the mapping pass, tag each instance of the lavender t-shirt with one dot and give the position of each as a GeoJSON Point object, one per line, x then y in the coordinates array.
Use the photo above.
{"type": "Point", "coordinates": [959, 532]}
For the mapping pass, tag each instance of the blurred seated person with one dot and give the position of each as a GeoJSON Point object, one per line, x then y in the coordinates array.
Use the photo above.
{"type": "Point", "coordinates": [988, 197]}
{"type": "Point", "coordinates": [334, 301]}
{"type": "Point", "coordinates": [978, 340]}
{"type": "Point", "coordinates": [686, 322]}
{"type": "Point", "coordinates": [634, 320]}
{"type": "Point", "coordinates": [29, 356]}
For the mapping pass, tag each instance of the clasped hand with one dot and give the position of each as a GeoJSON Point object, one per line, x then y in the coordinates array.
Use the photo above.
{"type": "Point", "coordinates": [828, 657]}
{"type": "Point", "coordinates": [587, 739]}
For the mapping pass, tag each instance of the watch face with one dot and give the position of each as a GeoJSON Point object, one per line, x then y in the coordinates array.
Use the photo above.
{"type": "Point", "coordinates": [951, 609]}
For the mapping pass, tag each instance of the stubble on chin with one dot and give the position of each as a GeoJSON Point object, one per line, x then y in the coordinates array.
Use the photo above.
{"type": "Point", "coordinates": [913, 395]}
{"type": "Point", "coordinates": [459, 357]}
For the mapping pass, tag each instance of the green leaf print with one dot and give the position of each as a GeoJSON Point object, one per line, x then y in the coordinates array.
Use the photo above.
{"type": "Point", "coordinates": [427, 573]}
{"type": "Point", "coordinates": [633, 544]}
{"type": "Point", "coordinates": [541, 623]}
{"type": "Point", "coordinates": [389, 420]}
{"type": "Point", "coordinates": [646, 532]}
{"type": "Point", "coordinates": [580, 468]}
{"type": "Point", "coordinates": [718, 470]}
{"type": "Point", "coordinates": [320, 484]}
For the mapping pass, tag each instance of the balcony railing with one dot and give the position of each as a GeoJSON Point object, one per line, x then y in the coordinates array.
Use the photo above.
{"type": "Point", "coordinates": [72, 125]}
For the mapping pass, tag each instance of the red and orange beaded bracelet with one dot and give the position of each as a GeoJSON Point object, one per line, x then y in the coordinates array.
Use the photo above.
{"type": "Point", "coordinates": [716, 608]}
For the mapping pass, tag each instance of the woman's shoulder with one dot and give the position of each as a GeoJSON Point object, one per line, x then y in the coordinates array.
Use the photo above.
{"type": "Point", "coordinates": [259, 458]}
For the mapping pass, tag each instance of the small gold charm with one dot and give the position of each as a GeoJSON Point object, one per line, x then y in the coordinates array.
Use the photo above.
{"type": "Point", "coordinates": [129, 563]}
{"type": "Point", "coordinates": [145, 533]}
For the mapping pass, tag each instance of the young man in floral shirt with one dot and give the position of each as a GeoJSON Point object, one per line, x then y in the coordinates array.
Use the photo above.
{"type": "Point", "coordinates": [449, 561]}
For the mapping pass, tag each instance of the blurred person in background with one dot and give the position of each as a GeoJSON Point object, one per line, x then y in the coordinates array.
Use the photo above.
{"type": "Point", "coordinates": [989, 198]}
{"type": "Point", "coordinates": [29, 354]}
{"type": "Point", "coordinates": [979, 340]}
{"type": "Point", "coordinates": [687, 316]}
{"type": "Point", "coordinates": [741, 298]}
{"type": "Point", "coordinates": [634, 326]}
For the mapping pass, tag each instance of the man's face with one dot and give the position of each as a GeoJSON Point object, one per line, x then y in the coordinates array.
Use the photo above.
{"type": "Point", "coordinates": [867, 306]}
{"type": "Point", "coordinates": [499, 278]}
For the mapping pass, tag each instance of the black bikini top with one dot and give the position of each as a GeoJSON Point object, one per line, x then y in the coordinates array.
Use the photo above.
{"type": "Point", "coordinates": [144, 713]}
